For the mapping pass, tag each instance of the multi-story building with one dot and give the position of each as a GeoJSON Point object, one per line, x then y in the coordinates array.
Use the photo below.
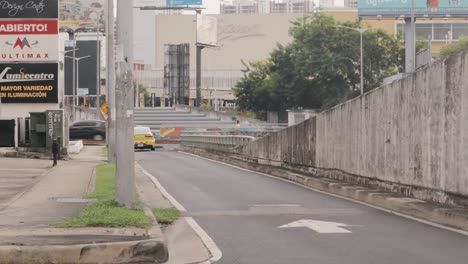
{"type": "Point", "coordinates": [326, 3]}
{"type": "Point", "coordinates": [351, 3]}
{"type": "Point", "coordinates": [266, 6]}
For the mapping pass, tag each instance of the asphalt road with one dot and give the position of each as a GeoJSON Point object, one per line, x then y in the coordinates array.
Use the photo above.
{"type": "Point", "coordinates": [242, 211]}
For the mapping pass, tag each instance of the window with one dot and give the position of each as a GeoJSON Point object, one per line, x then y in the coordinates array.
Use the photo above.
{"type": "Point", "coordinates": [459, 30]}
{"type": "Point", "coordinates": [442, 31]}
{"type": "Point", "coordinates": [424, 31]}
{"type": "Point", "coordinates": [142, 130]}
{"type": "Point", "coordinates": [437, 31]}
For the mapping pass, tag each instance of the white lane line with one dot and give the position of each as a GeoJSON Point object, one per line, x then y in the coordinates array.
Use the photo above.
{"type": "Point", "coordinates": [215, 252]}
{"type": "Point", "coordinates": [338, 196]}
{"type": "Point", "coordinates": [275, 205]}
{"type": "Point", "coordinates": [164, 192]}
{"type": "Point", "coordinates": [209, 243]}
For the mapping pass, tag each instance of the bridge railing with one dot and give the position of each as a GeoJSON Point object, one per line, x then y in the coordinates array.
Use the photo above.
{"type": "Point", "coordinates": [216, 142]}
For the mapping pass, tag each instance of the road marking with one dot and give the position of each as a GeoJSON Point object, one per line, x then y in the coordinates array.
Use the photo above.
{"type": "Point", "coordinates": [215, 252]}
{"type": "Point", "coordinates": [462, 232]}
{"type": "Point", "coordinates": [209, 243]}
{"type": "Point", "coordinates": [321, 227]}
{"type": "Point", "coordinates": [275, 205]}
{"type": "Point", "coordinates": [164, 192]}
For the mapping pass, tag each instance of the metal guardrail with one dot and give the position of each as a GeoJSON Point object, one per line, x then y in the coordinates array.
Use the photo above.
{"type": "Point", "coordinates": [217, 142]}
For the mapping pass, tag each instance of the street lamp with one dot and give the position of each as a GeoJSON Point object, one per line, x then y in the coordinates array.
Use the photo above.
{"type": "Point", "coordinates": [77, 84]}
{"type": "Point", "coordinates": [63, 85]}
{"type": "Point", "coordinates": [361, 31]}
{"type": "Point", "coordinates": [100, 12]}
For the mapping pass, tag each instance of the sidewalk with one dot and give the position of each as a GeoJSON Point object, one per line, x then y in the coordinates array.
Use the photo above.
{"type": "Point", "coordinates": [26, 235]}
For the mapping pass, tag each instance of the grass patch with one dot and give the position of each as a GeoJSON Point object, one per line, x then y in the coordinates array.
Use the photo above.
{"type": "Point", "coordinates": [166, 215]}
{"type": "Point", "coordinates": [105, 183]}
{"type": "Point", "coordinates": [105, 212]}
{"type": "Point", "coordinates": [104, 152]}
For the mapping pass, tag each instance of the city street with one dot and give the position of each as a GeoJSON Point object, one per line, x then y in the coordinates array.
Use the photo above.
{"type": "Point", "coordinates": [255, 219]}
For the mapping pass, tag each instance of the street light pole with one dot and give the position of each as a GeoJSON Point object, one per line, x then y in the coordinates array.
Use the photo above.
{"type": "Point", "coordinates": [362, 66]}
{"type": "Point", "coordinates": [77, 61]}
{"type": "Point", "coordinates": [110, 81]}
{"type": "Point", "coordinates": [361, 32]}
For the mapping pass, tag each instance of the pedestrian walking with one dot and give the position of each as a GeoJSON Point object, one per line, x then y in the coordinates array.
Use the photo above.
{"type": "Point", "coordinates": [55, 151]}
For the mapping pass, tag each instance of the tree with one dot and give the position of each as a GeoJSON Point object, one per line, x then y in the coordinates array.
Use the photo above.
{"type": "Point", "coordinates": [455, 48]}
{"type": "Point", "coordinates": [319, 68]}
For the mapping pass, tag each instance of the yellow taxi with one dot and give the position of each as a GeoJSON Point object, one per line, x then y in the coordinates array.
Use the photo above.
{"type": "Point", "coordinates": [143, 138]}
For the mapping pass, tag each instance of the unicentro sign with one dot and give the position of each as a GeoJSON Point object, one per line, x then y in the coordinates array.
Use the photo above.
{"type": "Point", "coordinates": [28, 83]}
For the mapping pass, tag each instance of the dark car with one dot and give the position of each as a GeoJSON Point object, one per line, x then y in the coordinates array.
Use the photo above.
{"type": "Point", "coordinates": [89, 129]}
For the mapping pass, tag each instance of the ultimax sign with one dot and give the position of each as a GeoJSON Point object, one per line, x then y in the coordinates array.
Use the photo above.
{"type": "Point", "coordinates": [22, 76]}
{"type": "Point", "coordinates": [28, 48]}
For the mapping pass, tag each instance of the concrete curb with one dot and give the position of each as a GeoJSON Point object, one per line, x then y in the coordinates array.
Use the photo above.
{"type": "Point", "coordinates": [151, 246]}
{"type": "Point", "coordinates": [143, 251]}
{"type": "Point", "coordinates": [452, 217]}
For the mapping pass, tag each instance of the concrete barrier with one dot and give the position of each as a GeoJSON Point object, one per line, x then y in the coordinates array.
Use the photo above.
{"type": "Point", "coordinates": [75, 147]}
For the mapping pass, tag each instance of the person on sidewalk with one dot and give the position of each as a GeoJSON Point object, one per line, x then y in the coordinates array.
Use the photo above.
{"type": "Point", "coordinates": [55, 151]}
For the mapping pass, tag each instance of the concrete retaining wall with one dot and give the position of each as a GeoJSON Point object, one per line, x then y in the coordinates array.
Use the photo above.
{"type": "Point", "coordinates": [410, 136]}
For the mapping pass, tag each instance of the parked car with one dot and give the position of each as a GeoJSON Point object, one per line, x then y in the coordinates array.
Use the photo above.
{"type": "Point", "coordinates": [89, 129]}
{"type": "Point", "coordinates": [143, 138]}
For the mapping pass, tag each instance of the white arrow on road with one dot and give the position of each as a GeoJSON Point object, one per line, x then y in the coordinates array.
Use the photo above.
{"type": "Point", "coordinates": [319, 226]}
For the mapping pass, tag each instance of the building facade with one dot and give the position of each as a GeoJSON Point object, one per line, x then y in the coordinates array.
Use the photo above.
{"type": "Point", "coordinates": [245, 38]}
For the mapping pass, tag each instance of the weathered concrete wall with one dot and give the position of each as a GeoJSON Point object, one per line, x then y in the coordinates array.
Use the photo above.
{"type": "Point", "coordinates": [293, 145]}
{"type": "Point", "coordinates": [410, 136]}
{"type": "Point", "coordinates": [413, 131]}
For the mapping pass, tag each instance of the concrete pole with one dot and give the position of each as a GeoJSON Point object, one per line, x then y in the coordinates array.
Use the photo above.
{"type": "Point", "coordinates": [74, 82]}
{"type": "Point", "coordinates": [362, 65]}
{"type": "Point", "coordinates": [110, 82]}
{"type": "Point", "coordinates": [199, 62]}
{"type": "Point", "coordinates": [98, 64]}
{"type": "Point", "coordinates": [125, 174]}
{"type": "Point", "coordinates": [413, 32]}
{"type": "Point", "coordinates": [409, 46]}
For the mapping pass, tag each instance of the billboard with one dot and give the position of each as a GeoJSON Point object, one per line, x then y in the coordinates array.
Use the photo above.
{"type": "Point", "coordinates": [183, 2]}
{"type": "Point", "coordinates": [87, 67]}
{"type": "Point", "coordinates": [422, 8]}
{"type": "Point", "coordinates": [207, 30]}
{"type": "Point", "coordinates": [28, 48]}
{"type": "Point", "coordinates": [29, 9]}
{"type": "Point", "coordinates": [28, 40]}
{"type": "Point", "coordinates": [82, 13]}
{"type": "Point", "coordinates": [36, 27]}
{"type": "Point", "coordinates": [29, 83]}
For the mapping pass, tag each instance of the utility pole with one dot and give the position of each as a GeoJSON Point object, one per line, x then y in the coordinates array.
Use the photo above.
{"type": "Point", "coordinates": [125, 173]}
{"type": "Point", "coordinates": [199, 62]}
{"type": "Point", "coordinates": [110, 82]}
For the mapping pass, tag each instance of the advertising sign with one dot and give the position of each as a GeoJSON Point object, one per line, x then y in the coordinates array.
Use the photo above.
{"type": "Point", "coordinates": [86, 68]}
{"type": "Point", "coordinates": [82, 13]}
{"type": "Point", "coordinates": [28, 48]}
{"type": "Point", "coordinates": [29, 8]}
{"type": "Point", "coordinates": [183, 2]}
{"type": "Point", "coordinates": [207, 30]}
{"type": "Point", "coordinates": [29, 83]}
{"type": "Point", "coordinates": [422, 8]}
{"type": "Point", "coordinates": [33, 27]}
